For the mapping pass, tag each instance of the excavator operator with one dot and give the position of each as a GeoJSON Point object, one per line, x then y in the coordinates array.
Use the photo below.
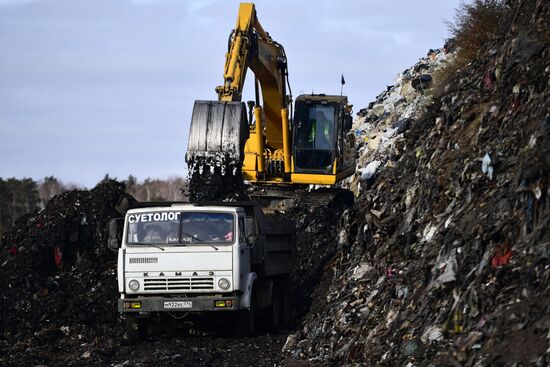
{"type": "Point", "coordinates": [321, 132]}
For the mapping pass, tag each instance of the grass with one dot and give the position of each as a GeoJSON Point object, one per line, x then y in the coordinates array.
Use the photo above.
{"type": "Point", "coordinates": [476, 23]}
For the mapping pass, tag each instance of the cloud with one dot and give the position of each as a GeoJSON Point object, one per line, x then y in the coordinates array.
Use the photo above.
{"type": "Point", "coordinates": [401, 38]}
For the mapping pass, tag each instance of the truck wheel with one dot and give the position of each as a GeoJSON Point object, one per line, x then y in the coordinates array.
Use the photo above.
{"type": "Point", "coordinates": [135, 330]}
{"type": "Point", "coordinates": [279, 311]}
{"type": "Point", "coordinates": [245, 322]}
{"type": "Point", "coordinates": [275, 309]}
{"type": "Point", "coordinates": [245, 325]}
{"type": "Point", "coordinates": [285, 307]}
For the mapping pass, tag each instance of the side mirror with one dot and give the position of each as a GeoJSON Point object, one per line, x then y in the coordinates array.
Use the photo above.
{"type": "Point", "coordinates": [250, 231]}
{"type": "Point", "coordinates": [113, 243]}
{"type": "Point", "coordinates": [251, 242]}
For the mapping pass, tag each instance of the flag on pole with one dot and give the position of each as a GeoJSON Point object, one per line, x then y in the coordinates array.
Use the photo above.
{"type": "Point", "coordinates": [343, 80]}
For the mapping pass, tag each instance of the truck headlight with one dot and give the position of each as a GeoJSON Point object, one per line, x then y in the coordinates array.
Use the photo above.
{"type": "Point", "coordinates": [223, 283]}
{"type": "Point", "coordinates": [133, 285]}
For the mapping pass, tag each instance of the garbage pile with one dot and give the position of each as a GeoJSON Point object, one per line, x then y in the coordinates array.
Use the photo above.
{"type": "Point", "coordinates": [445, 258]}
{"type": "Point", "coordinates": [379, 129]}
{"type": "Point", "coordinates": [57, 277]}
{"type": "Point", "coordinates": [316, 216]}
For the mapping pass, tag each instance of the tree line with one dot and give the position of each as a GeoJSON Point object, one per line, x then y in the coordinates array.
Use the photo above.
{"type": "Point", "coordinates": [20, 196]}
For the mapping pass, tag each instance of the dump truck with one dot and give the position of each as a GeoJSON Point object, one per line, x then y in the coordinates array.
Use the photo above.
{"type": "Point", "coordinates": [206, 260]}
{"type": "Point", "coordinates": [275, 142]}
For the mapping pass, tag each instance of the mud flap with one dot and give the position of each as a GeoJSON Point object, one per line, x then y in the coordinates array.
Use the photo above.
{"type": "Point", "coordinates": [246, 298]}
{"type": "Point", "coordinates": [217, 135]}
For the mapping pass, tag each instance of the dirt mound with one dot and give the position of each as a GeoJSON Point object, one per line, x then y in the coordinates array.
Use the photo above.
{"type": "Point", "coordinates": [450, 262]}
{"type": "Point", "coordinates": [57, 277]}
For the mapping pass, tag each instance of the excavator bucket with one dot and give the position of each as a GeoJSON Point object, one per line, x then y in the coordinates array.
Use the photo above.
{"type": "Point", "coordinates": [217, 136]}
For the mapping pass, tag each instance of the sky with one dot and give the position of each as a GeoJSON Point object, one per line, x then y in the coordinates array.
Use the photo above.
{"type": "Point", "coordinates": [89, 87]}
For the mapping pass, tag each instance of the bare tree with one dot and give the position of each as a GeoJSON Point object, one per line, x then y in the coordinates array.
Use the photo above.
{"type": "Point", "coordinates": [48, 188]}
{"type": "Point", "coordinates": [170, 189]}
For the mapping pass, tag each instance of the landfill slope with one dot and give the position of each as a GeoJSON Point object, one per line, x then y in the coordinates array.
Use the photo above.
{"type": "Point", "coordinates": [446, 260]}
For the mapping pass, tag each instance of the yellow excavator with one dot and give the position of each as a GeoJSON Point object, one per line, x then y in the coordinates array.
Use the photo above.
{"type": "Point", "coordinates": [265, 145]}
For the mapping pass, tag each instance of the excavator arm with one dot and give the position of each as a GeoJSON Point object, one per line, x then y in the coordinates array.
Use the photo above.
{"type": "Point", "coordinates": [251, 46]}
{"type": "Point", "coordinates": [213, 123]}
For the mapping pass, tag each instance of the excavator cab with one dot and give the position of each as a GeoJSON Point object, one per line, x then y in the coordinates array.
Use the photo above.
{"type": "Point", "coordinates": [315, 139]}
{"type": "Point", "coordinates": [323, 150]}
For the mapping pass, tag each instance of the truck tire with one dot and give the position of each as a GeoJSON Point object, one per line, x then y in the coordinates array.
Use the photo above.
{"type": "Point", "coordinates": [275, 311]}
{"type": "Point", "coordinates": [245, 322]}
{"type": "Point", "coordinates": [285, 307]}
{"type": "Point", "coordinates": [135, 330]}
{"type": "Point", "coordinates": [281, 304]}
{"type": "Point", "coordinates": [279, 311]}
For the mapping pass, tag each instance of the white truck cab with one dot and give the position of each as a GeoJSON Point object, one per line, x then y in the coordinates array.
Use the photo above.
{"type": "Point", "coordinates": [200, 259]}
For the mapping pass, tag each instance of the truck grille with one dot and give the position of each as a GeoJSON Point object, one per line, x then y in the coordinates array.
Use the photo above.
{"type": "Point", "coordinates": [174, 284]}
{"type": "Point", "coordinates": [143, 260]}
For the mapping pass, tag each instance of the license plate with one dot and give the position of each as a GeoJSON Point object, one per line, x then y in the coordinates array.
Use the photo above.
{"type": "Point", "coordinates": [178, 304]}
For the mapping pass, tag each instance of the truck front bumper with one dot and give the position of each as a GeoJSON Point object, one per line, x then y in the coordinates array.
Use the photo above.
{"type": "Point", "coordinates": [179, 304]}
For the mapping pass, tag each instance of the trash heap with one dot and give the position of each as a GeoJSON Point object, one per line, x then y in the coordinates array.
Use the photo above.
{"type": "Point", "coordinates": [445, 259]}
{"type": "Point", "coordinates": [379, 129]}
{"type": "Point", "coordinates": [316, 216]}
{"type": "Point", "coordinates": [59, 290]}
{"type": "Point", "coordinates": [57, 277]}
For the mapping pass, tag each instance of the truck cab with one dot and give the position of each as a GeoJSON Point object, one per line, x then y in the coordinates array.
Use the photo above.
{"type": "Point", "coordinates": [201, 259]}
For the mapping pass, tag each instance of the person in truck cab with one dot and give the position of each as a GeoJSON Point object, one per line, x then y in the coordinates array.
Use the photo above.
{"type": "Point", "coordinates": [153, 234]}
{"type": "Point", "coordinates": [220, 231]}
{"type": "Point", "coordinates": [227, 230]}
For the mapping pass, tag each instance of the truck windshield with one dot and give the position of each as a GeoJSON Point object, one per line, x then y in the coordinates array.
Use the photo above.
{"type": "Point", "coordinates": [180, 228]}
